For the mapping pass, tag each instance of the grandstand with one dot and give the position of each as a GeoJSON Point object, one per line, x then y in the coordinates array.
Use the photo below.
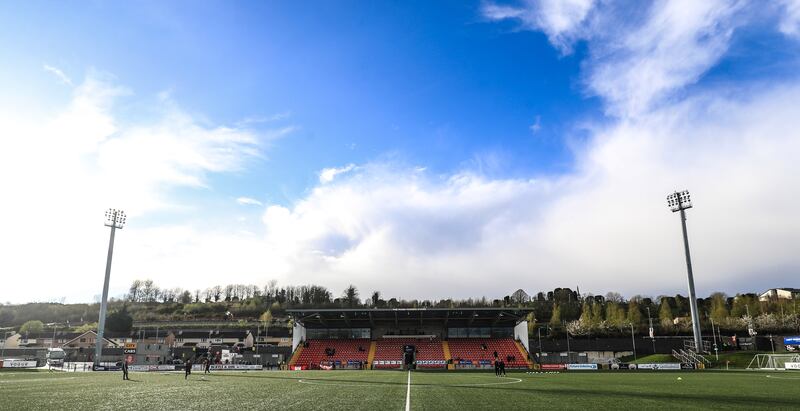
{"type": "Point", "coordinates": [432, 338]}
{"type": "Point", "coordinates": [350, 352]}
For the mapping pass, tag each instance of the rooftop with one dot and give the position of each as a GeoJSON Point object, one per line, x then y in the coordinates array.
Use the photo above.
{"type": "Point", "coordinates": [448, 317]}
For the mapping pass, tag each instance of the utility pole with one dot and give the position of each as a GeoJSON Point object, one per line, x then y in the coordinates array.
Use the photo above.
{"type": "Point", "coordinates": [114, 219]}
{"type": "Point", "coordinates": [679, 202]}
{"type": "Point", "coordinates": [539, 332]}
{"type": "Point", "coordinates": [652, 331]}
{"type": "Point", "coordinates": [633, 340]}
{"type": "Point", "coordinates": [716, 350]}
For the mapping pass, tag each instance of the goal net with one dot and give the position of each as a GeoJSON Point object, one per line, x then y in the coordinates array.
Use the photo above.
{"type": "Point", "coordinates": [772, 361]}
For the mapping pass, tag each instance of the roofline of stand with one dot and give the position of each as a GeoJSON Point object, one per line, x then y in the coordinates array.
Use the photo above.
{"type": "Point", "coordinates": [339, 310]}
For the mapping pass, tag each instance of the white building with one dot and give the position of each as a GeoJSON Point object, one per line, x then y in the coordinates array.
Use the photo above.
{"type": "Point", "coordinates": [780, 294]}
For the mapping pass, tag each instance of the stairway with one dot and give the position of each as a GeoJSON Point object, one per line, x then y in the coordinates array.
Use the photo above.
{"type": "Point", "coordinates": [524, 354]}
{"type": "Point", "coordinates": [295, 356]}
{"type": "Point", "coordinates": [371, 355]}
{"type": "Point", "coordinates": [446, 350]}
{"type": "Point", "coordinates": [690, 357]}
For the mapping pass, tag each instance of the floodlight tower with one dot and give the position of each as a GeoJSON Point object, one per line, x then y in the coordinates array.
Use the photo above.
{"type": "Point", "coordinates": [114, 219]}
{"type": "Point", "coordinates": [680, 201]}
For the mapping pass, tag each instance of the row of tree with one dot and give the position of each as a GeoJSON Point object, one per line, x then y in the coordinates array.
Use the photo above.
{"type": "Point", "coordinates": [566, 309]}
{"type": "Point", "coordinates": [560, 309]}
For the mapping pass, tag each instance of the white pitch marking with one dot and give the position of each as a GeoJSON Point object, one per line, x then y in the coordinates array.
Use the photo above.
{"type": "Point", "coordinates": [777, 377]}
{"type": "Point", "coordinates": [408, 392]}
{"type": "Point", "coordinates": [37, 379]}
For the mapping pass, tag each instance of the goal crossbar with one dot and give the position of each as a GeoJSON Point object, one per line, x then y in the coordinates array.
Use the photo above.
{"type": "Point", "coordinates": [772, 361]}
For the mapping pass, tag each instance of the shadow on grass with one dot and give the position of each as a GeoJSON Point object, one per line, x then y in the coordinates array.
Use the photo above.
{"type": "Point", "coordinates": [701, 399]}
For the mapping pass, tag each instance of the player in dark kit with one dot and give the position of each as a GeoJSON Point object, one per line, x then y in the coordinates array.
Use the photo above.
{"type": "Point", "coordinates": [125, 370]}
{"type": "Point", "coordinates": [208, 367]}
{"type": "Point", "coordinates": [188, 369]}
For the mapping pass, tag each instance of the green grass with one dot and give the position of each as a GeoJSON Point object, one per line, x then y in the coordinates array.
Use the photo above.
{"type": "Point", "coordinates": [386, 390]}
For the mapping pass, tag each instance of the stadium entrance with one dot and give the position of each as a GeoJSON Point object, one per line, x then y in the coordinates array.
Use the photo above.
{"type": "Point", "coordinates": [409, 338]}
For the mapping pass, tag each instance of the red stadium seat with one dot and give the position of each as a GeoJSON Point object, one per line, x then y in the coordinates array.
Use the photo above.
{"type": "Point", "coordinates": [429, 352]}
{"type": "Point", "coordinates": [472, 349]}
{"type": "Point", "coordinates": [345, 350]}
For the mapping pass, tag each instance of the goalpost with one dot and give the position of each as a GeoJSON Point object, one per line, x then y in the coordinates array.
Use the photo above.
{"type": "Point", "coordinates": [772, 361]}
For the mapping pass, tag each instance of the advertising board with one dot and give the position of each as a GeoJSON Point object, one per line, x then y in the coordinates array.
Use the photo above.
{"type": "Point", "coordinates": [661, 366]}
{"type": "Point", "coordinates": [151, 368]}
{"type": "Point", "coordinates": [792, 365]}
{"type": "Point", "coordinates": [19, 364]}
{"type": "Point", "coordinates": [791, 340]}
{"type": "Point", "coordinates": [581, 367]}
{"type": "Point", "coordinates": [553, 366]}
{"type": "Point", "coordinates": [130, 348]}
{"type": "Point", "coordinates": [236, 367]}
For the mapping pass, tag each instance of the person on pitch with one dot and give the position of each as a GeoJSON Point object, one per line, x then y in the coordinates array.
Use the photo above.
{"type": "Point", "coordinates": [125, 370]}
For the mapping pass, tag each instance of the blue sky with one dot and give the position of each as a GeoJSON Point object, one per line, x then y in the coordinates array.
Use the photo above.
{"type": "Point", "coordinates": [510, 123]}
{"type": "Point", "coordinates": [436, 85]}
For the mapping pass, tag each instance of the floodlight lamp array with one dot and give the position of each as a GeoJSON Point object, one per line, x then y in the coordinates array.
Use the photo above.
{"type": "Point", "coordinates": [115, 218]}
{"type": "Point", "coordinates": [678, 201]}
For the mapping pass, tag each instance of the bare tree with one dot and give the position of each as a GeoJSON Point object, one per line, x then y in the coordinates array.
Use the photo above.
{"type": "Point", "coordinates": [147, 290]}
{"type": "Point", "coordinates": [614, 297]}
{"type": "Point", "coordinates": [271, 289]}
{"type": "Point", "coordinates": [134, 291]}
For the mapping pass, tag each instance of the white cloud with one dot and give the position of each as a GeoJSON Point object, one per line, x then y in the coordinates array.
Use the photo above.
{"type": "Point", "coordinates": [328, 174]}
{"type": "Point", "coordinates": [405, 231]}
{"type": "Point", "coordinates": [58, 73]}
{"type": "Point", "coordinates": [265, 119]}
{"type": "Point", "coordinates": [790, 18]}
{"type": "Point", "coordinates": [637, 58]}
{"type": "Point", "coordinates": [61, 170]}
{"type": "Point", "coordinates": [604, 227]}
{"type": "Point", "coordinates": [537, 125]}
{"type": "Point", "coordinates": [248, 201]}
{"type": "Point", "coordinates": [561, 20]}
{"type": "Point", "coordinates": [641, 65]}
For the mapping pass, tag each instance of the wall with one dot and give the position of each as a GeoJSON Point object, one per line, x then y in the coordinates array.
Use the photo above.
{"type": "Point", "coordinates": [298, 335]}
{"type": "Point", "coordinates": [521, 333]}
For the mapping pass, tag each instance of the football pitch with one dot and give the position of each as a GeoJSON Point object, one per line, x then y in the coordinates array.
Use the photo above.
{"type": "Point", "coordinates": [398, 390]}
